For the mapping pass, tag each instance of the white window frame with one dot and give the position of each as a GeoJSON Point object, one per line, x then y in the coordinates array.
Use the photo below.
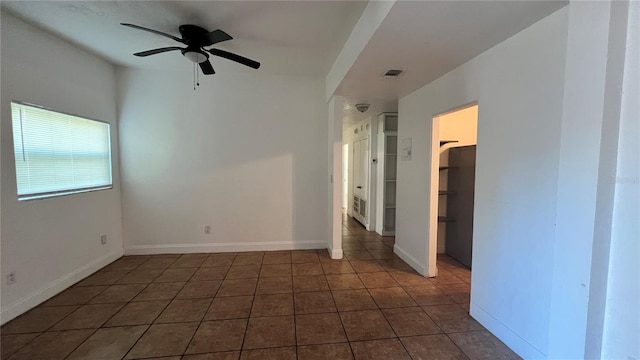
{"type": "Point", "coordinates": [70, 191]}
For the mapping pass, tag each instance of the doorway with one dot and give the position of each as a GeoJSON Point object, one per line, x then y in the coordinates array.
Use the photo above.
{"type": "Point", "coordinates": [452, 196]}
{"type": "Point", "coordinates": [360, 180]}
{"type": "Point", "coordinates": [345, 177]}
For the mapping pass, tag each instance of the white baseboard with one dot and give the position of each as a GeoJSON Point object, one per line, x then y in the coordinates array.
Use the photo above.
{"type": "Point", "coordinates": [223, 247]}
{"type": "Point", "coordinates": [336, 254]}
{"type": "Point", "coordinates": [53, 288]}
{"type": "Point", "coordinates": [415, 264]}
{"type": "Point", "coordinates": [519, 345]}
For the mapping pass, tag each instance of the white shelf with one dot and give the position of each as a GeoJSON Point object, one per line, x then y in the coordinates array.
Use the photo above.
{"type": "Point", "coordinates": [388, 158]}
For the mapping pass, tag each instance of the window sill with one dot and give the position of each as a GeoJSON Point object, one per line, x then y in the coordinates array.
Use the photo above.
{"type": "Point", "coordinates": [61, 193]}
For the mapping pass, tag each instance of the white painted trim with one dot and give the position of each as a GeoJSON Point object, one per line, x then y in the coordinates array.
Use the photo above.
{"type": "Point", "coordinates": [223, 247]}
{"type": "Point", "coordinates": [336, 106]}
{"type": "Point", "coordinates": [55, 287]}
{"type": "Point", "coordinates": [434, 198]}
{"type": "Point", "coordinates": [415, 264]}
{"type": "Point", "coordinates": [516, 343]}
{"type": "Point", "coordinates": [336, 254]}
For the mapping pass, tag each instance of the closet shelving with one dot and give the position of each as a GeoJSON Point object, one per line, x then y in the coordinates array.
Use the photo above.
{"type": "Point", "coordinates": [446, 192]}
{"type": "Point", "coordinates": [387, 162]}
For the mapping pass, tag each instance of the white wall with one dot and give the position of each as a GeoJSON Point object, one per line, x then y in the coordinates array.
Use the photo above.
{"type": "Point", "coordinates": [245, 154]}
{"type": "Point", "coordinates": [519, 88]}
{"type": "Point", "coordinates": [621, 334]}
{"type": "Point", "coordinates": [52, 243]}
{"type": "Point", "coordinates": [574, 286]}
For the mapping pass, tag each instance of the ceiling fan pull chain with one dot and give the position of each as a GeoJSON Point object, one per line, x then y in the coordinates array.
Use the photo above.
{"type": "Point", "coordinates": [197, 75]}
{"type": "Point", "coordinates": [194, 77]}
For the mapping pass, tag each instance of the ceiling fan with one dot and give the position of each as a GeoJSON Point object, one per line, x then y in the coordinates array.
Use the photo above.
{"type": "Point", "coordinates": [196, 39]}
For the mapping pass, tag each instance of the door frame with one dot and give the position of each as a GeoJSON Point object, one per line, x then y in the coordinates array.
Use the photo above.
{"type": "Point", "coordinates": [432, 240]}
{"type": "Point", "coordinates": [367, 170]}
{"type": "Point", "coordinates": [345, 176]}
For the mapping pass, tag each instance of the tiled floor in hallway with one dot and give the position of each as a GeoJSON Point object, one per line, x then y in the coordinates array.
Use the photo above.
{"type": "Point", "coordinates": [259, 305]}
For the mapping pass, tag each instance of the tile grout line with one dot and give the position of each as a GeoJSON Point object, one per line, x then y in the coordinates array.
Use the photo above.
{"type": "Point", "coordinates": [163, 309]}
{"type": "Point", "coordinates": [148, 325]}
{"type": "Point", "coordinates": [387, 320]}
{"type": "Point", "coordinates": [293, 300]}
{"type": "Point", "coordinates": [253, 300]}
{"type": "Point", "coordinates": [341, 322]}
{"type": "Point", "coordinates": [441, 329]}
{"type": "Point", "coordinates": [117, 311]}
{"type": "Point", "coordinates": [382, 312]}
{"type": "Point", "coordinates": [87, 303]}
{"type": "Point", "coordinates": [210, 304]}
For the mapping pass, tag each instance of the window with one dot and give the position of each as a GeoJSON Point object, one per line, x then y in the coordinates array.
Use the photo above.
{"type": "Point", "coordinates": [59, 154]}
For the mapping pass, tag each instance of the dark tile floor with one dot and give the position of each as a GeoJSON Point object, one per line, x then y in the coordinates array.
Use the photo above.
{"type": "Point", "coordinates": [259, 305]}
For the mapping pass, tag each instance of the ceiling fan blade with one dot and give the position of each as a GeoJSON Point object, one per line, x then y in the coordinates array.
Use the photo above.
{"type": "Point", "coordinates": [234, 57]}
{"type": "Point", "coordinates": [215, 37]}
{"type": "Point", "coordinates": [206, 67]}
{"type": "Point", "coordinates": [157, 51]}
{"type": "Point", "coordinates": [154, 31]}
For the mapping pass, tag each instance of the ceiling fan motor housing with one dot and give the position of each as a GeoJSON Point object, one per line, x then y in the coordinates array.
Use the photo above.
{"type": "Point", "coordinates": [193, 35]}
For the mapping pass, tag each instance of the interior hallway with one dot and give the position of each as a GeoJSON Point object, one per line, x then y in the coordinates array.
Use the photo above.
{"type": "Point", "coordinates": [259, 305]}
{"type": "Point", "coordinates": [444, 299]}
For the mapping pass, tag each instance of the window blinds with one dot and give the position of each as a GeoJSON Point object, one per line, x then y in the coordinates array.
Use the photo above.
{"type": "Point", "coordinates": [58, 154]}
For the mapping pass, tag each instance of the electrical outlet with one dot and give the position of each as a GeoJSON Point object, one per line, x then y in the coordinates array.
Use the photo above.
{"type": "Point", "coordinates": [11, 278]}
{"type": "Point", "coordinates": [207, 229]}
{"type": "Point", "coordinates": [103, 239]}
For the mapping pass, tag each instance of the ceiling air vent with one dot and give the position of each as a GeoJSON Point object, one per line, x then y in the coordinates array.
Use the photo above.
{"type": "Point", "coordinates": [392, 73]}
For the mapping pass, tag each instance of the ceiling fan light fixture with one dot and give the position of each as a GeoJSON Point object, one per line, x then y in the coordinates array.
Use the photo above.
{"type": "Point", "coordinates": [196, 38]}
{"type": "Point", "coordinates": [195, 56]}
{"type": "Point", "coordinates": [362, 107]}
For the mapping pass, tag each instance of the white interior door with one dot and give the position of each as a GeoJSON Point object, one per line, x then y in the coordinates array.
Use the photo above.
{"type": "Point", "coordinates": [360, 179]}
{"type": "Point", "coordinates": [364, 168]}
{"type": "Point", "coordinates": [357, 169]}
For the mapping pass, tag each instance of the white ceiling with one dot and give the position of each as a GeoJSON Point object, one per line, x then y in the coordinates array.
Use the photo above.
{"type": "Point", "coordinates": [427, 39]}
{"type": "Point", "coordinates": [287, 37]}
